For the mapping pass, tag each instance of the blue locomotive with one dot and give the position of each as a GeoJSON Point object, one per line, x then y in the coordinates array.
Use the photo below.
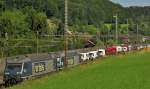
{"type": "Point", "coordinates": [26, 67]}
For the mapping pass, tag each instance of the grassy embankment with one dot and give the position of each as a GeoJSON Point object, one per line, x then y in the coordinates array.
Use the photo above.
{"type": "Point", "coordinates": [121, 72]}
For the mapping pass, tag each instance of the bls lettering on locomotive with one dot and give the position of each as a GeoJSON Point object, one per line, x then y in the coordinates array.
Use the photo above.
{"type": "Point", "coordinates": [39, 67]}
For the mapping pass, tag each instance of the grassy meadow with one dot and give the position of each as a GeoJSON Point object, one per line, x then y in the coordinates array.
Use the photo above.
{"type": "Point", "coordinates": [118, 72]}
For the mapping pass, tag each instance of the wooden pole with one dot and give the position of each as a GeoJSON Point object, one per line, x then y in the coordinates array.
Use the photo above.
{"type": "Point", "coordinates": [37, 43]}
{"type": "Point", "coordinates": [137, 34]}
{"type": "Point", "coordinates": [116, 24]}
{"type": "Point", "coordinates": [66, 30]}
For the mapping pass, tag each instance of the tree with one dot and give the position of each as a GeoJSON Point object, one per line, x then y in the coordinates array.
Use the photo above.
{"type": "Point", "coordinates": [37, 20]}
{"type": "Point", "coordinates": [13, 23]}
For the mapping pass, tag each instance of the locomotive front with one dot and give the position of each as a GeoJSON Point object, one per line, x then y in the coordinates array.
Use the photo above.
{"type": "Point", "coordinates": [12, 70]}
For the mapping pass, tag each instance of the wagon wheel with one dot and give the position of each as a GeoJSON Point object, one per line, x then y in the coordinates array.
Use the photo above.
{"type": "Point", "coordinates": [7, 83]}
{"type": "Point", "coordinates": [13, 82]}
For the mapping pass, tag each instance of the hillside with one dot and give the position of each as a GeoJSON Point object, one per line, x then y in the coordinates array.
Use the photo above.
{"type": "Point", "coordinates": [86, 17]}
{"type": "Point", "coordinates": [87, 12]}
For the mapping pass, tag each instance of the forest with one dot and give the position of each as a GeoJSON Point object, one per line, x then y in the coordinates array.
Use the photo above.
{"type": "Point", "coordinates": [29, 26]}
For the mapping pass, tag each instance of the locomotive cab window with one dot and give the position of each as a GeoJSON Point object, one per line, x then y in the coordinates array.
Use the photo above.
{"type": "Point", "coordinates": [27, 68]}
{"type": "Point", "coordinates": [87, 55]}
{"type": "Point", "coordinates": [99, 52]}
{"type": "Point", "coordinates": [14, 68]}
{"type": "Point", "coordinates": [91, 54]}
{"type": "Point", "coordinates": [82, 55]}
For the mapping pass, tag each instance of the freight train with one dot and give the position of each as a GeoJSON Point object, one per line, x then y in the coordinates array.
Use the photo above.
{"type": "Point", "coordinates": [25, 67]}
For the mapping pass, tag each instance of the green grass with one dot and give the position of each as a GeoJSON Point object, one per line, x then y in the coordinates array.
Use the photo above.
{"type": "Point", "coordinates": [122, 72]}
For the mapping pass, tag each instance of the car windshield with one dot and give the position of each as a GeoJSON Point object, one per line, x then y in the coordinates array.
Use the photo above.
{"type": "Point", "coordinates": [90, 54]}
{"type": "Point", "coordinates": [13, 68]}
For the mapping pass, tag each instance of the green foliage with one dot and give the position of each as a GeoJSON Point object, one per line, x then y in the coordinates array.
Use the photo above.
{"type": "Point", "coordinates": [111, 42]}
{"type": "Point", "coordinates": [91, 29]}
{"type": "Point", "coordinates": [52, 26]}
{"type": "Point", "coordinates": [108, 26]}
{"type": "Point", "coordinates": [94, 12]}
{"type": "Point", "coordinates": [100, 43]}
{"type": "Point", "coordinates": [37, 21]}
{"type": "Point", "coordinates": [23, 18]}
{"type": "Point", "coordinates": [13, 23]}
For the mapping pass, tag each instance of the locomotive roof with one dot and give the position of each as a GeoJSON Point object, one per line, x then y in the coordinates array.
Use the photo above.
{"type": "Point", "coordinates": [46, 56]}
{"type": "Point", "coordinates": [42, 56]}
{"type": "Point", "coordinates": [17, 59]}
